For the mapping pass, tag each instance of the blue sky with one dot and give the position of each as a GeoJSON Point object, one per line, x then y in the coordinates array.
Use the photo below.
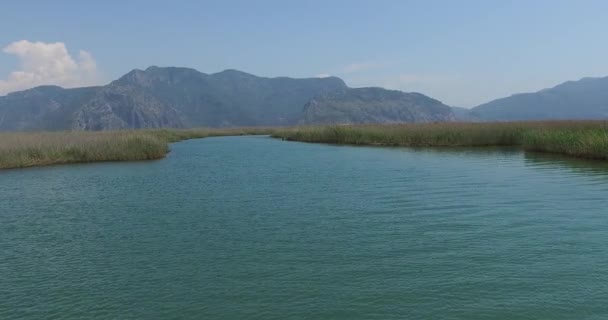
{"type": "Point", "coordinates": [461, 52]}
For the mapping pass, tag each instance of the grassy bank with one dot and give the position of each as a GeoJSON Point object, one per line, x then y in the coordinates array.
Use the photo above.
{"type": "Point", "coordinates": [19, 150]}
{"type": "Point", "coordinates": [585, 139]}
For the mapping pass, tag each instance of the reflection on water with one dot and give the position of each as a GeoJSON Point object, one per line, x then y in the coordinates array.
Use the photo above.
{"type": "Point", "coordinates": [581, 166]}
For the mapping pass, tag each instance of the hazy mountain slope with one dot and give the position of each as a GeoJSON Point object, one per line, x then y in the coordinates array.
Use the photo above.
{"type": "Point", "coordinates": [42, 108]}
{"type": "Point", "coordinates": [165, 97]}
{"type": "Point", "coordinates": [463, 115]}
{"type": "Point", "coordinates": [182, 97]}
{"type": "Point", "coordinates": [268, 101]}
{"type": "Point", "coordinates": [227, 98]}
{"type": "Point", "coordinates": [374, 105]}
{"type": "Point", "coordinates": [583, 99]}
{"type": "Point", "coordinates": [117, 107]}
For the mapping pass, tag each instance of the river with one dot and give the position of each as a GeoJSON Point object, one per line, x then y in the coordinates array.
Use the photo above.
{"type": "Point", "coordinates": [258, 228]}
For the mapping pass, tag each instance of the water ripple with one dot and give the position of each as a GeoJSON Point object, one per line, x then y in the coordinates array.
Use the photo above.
{"type": "Point", "coordinates": [254, 228]}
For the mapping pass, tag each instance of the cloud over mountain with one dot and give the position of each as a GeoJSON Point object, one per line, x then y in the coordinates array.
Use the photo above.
{"type": "Point", "coordinates": [48, 64]}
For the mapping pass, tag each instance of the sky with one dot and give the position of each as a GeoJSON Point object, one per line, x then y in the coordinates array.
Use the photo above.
{"type": "Point", "coordinates": [463, 53]}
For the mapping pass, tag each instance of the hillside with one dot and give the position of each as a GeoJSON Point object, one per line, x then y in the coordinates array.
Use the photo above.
{"type": "Point", "coordinates": [583, 99]}
{"type": "Point", "coordinates": [374, 105]}
{"type": "Point", "coordinates": [181, 98]}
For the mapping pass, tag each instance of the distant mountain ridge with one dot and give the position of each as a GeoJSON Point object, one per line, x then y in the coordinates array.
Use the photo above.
{"type": "Point", "coordinates": [182, 97]}
{"type": "Point", "coordinates": [583, 99]}
{"type": "Point", "coordinates": [374, 105]}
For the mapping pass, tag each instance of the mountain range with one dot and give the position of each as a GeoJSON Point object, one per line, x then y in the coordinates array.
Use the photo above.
{"type": "Point", "coordinates": [583, 99]}
{"type": "Point", "coordinates": [182, 98]}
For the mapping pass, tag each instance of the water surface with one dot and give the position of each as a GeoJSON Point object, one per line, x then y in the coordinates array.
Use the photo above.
{"type": "Point", "coordinates": [256, 228]}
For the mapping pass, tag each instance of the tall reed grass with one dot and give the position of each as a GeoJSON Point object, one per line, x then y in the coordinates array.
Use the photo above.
{"type": "Point", "coordinates": [585, 139]}
{"type": "Point", "coordinates": [19, 150]}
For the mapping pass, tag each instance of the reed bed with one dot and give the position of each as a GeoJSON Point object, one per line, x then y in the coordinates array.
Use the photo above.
{"type": "Point", "coordinates": [584, 139]}
{"type": "Point", "coordinates": [28, 149]}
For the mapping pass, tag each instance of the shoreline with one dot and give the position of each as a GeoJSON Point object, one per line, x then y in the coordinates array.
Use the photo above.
{"type": "Point", "coordinates": [40, 149]}
{"type": "Point", "coordinates": [574, 139]}
{"type": "Point", "coordinates": [586, 139]}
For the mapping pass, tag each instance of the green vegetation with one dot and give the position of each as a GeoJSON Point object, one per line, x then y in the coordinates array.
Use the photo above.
{"type": "Point", "coordinates": [585, 139]}
{"type": "Point", "coordinates": [19, 150]}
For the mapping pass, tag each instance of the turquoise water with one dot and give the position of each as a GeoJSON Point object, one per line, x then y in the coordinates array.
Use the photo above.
{"type": "Point", "coordinates": [256, 228]}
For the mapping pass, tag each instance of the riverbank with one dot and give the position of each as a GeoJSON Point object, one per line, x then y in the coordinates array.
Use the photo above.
{"type": "Point", "coordinates": [583, 139]}
{"type": "Point", "coordinates": [20, 150]}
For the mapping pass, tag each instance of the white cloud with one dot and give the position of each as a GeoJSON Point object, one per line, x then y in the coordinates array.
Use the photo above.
{"type": "Point", "coordinates": [323, 75]}
{"type": "Point", "coordinates": [48, 64]}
